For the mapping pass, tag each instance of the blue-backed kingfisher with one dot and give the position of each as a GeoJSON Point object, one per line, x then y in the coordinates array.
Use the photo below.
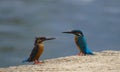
{"type": "Point", "coordinates": [80, 42]}
{"type": "Point", "coordinates": [37, 50]}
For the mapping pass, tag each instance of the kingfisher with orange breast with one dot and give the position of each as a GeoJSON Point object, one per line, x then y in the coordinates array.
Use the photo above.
{"type": "Point", "coordinates": [37, 50]}
{"type": "Point", "coordinates": [80, 42]}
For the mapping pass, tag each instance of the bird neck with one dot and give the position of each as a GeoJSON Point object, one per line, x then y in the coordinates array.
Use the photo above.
{"type": "Point", "coordinates": [77, 38]}
{"type": "Point", "coordinates": [41, 45]}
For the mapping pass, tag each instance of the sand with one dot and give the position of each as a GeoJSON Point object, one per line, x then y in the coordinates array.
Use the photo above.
{"type": "Point", "coordinates": [105, 61]}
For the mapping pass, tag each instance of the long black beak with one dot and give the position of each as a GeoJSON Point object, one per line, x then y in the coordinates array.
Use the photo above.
{"type": "Point", "coordinates": [50, 38]}
{"type": "Point", "coordinates": [68, 32]}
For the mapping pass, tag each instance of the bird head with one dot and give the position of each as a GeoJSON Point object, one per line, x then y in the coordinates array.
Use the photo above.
{"type": "Point", "coordinates": [75, 32]}
{"type": "Point", "coordinates": [39, 40]}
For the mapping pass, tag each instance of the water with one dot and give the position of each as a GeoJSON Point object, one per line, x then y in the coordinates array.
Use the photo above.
{"type": "Point", "coordinates": [23, 20]}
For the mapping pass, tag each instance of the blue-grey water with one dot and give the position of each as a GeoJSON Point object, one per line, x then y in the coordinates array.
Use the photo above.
{"type": "Point", "coordinates": [23, 20]}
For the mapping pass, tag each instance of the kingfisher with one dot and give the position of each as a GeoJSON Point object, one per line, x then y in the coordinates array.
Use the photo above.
{"type": "Point", "coordinates": [80, 42]}
{"type": "Point", "coordinates": [37, 50]}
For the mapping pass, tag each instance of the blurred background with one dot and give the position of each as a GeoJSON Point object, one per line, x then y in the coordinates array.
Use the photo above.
{"type": "Point", "coordinates": [23, 20]}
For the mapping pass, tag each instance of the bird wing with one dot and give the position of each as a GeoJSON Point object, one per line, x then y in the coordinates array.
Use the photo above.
{"type": "Point", "coordinates": [33, 54]}
{"type": "Point", "coordinates": [81, 42]}
{"type": "Point", "coordinates": [83, 46]}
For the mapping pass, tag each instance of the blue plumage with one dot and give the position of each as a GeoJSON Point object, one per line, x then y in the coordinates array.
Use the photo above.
{"type": "Point", "coordinates": [24, 61]}
{"type": "Point", "coordinates": [80, 42]}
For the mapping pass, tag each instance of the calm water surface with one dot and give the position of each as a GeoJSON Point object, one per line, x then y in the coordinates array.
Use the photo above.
{"type": "Point", "coordinates": [23, 20]}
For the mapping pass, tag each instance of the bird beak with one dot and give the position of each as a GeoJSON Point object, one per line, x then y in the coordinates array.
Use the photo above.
{"type": "Point", "coordinates": [50, 38]}
{"type": "Point", "coordinates": [68, 32]}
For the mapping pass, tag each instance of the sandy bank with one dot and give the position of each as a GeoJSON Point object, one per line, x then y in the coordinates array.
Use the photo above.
{"type": "Point", "coordinates": [106, 61]}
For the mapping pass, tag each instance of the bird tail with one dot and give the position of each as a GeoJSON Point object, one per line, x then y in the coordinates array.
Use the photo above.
{"type": "Point", "coordinates": [26, 60]}
{"type": "Point", "coordinates": [89, 52]}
